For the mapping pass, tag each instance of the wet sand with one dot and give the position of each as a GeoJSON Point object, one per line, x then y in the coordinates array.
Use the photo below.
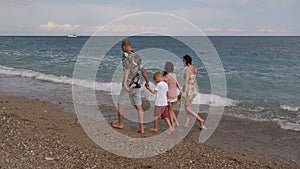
{"type": "Point", "coordinates": [38, 134]}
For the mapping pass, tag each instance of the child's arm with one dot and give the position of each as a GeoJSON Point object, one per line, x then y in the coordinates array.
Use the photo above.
{"type": "Point", "coordinates": [151, 91]}
{"type": "Point", "coordinates": [178, 86]}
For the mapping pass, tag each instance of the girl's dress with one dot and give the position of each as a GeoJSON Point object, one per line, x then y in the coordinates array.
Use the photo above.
{"type": "Point", "coordinates": [171, 80]}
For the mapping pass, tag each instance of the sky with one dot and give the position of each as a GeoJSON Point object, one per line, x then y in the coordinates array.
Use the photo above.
{"type": "Point", "coordinates": [213, 17]}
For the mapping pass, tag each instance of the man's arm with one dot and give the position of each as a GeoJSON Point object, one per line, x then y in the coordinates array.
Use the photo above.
{"type": "Point", "coordinates": [144, 73]}
{"type": "Point", "coordinates": [125, 78]}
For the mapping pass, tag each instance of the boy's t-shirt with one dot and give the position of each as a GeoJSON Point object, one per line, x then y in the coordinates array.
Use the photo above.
{"type": "Point", "coordinates": [161, 95]}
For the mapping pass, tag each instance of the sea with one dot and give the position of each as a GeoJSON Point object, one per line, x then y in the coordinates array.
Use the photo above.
{"type": "Point", "coordinates": [262, 73]}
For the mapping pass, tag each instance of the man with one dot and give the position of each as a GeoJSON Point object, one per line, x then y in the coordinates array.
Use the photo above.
{"type": "Point", "coordinates": [132, 64]}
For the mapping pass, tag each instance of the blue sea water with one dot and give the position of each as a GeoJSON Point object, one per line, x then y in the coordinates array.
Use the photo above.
{"type": "Point", "coordinates": [262, 73]}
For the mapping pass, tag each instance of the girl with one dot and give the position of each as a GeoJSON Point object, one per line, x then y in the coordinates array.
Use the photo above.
{"type": "Point", "coordinates": [171, 80]}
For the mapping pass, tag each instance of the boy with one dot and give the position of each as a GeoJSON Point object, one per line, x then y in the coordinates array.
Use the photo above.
{"type": "Point", "coordinates": [161, 101]}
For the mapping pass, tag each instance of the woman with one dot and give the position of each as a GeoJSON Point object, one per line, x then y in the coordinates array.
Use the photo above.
{"type": "Point", "coordinates": [190, 90]}
{"type": "Point", "coordinates": [171, 79]}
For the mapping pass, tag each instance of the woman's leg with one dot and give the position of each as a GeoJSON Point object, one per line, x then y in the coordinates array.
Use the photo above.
{"type": "Point", "coordinates": [190, 111]}
{"type": "Point", "coordinates": [187, 119]}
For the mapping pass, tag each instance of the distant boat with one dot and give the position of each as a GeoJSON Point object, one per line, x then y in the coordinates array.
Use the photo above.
{"type": "Point", "coordinates": [72, 35]}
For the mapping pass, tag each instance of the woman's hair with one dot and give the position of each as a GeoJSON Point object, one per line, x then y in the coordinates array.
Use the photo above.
{"type": "Point", "coordinates": [188, 59]}
{"type": "Point", "coordinates": [169, 67]}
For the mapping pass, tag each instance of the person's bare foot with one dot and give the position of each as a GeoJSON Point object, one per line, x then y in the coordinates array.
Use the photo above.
{"type": "Point", "coordinates": [203, 128]}
{"type": "Point", "coordinates": [171, 130]}
{"type": "Point", "coordinates": [117, 125]}
{"type": "Point", "coordinates": [154, 130]}
{"type": "Point", "coordinates": [142, 131]}
{"type": "Point", "coordinates": [186, 125]}
{"type": "Point", "coordinates": [201, 124]}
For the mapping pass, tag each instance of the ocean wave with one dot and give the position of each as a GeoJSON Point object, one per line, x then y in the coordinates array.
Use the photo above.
{"type": "Point", "coordinates": [289, 108]}
{"type": "Point", "coordinates": [213, 100]}
{"type": "Point", "coordinates": [113, 88]}
{"type": "Point", "coordinates": [58, 79]}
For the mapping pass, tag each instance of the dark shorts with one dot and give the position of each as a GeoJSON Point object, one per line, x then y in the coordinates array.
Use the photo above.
{"type": "Point", "coordinates": [161, 110]}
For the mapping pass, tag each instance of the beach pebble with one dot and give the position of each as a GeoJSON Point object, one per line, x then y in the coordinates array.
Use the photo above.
{"type": "Point", "coordinates": [49, 158]}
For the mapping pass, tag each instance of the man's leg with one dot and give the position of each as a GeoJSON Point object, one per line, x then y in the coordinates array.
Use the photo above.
{"type": "Point", "coordinates": [122, 100]}
{"type": "Point", "coordinates": [120, 115]}
{"type": "Point", "coordinates": [141, 118]}
{"type": "Point", "coordinates": [135, 96]}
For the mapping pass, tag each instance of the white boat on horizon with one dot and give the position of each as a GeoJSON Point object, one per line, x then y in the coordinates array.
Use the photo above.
{"type": "Point", "coordinates": [72, 35]}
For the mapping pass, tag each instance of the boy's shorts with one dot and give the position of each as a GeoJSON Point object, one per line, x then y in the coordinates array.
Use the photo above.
{"type": "Point", "coordinates": [134, 95]}
{"type": "Point", "coordinates": [160, 110]}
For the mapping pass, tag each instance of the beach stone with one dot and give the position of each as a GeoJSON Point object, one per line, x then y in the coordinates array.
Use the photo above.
{"type": "Point", "coordinates": [49, 158]}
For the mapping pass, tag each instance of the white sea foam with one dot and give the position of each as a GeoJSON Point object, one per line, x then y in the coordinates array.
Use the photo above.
{"type": "Point", "coordinates": [289, 108]}
{"type": "Point", "coordinates": [113, 88]}
{"type": "Point", "coordinates": [214, 100]}
{"type": "Point", "coordinates": [58, 79]}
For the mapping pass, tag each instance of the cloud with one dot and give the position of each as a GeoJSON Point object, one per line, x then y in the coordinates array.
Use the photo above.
{"type": "Point", "coordinates": [38, 17]}
{"type": "Point", "coordinates": [261, 4]}
{"type": "Point", "coordinates": [235, 30]}
{"type": "Point", "coordinates": [212, 29]}
{"type": "Point", "coordinates": [271, 4]}
{"type": "Point", "coordinates": [50, 26]}
{"type": "Point", "coordinates": [276, 31]}
{"type": "Point", "coordinates": [125, 28]}
{"type": "Point", "coordinates": [205, 15]}
{"type": "Point", "coordinates": [223, 1]}
{"type": "Point", "coordinates": [220, 31]}
{"type": "Point", "coordinates": [216, 17]}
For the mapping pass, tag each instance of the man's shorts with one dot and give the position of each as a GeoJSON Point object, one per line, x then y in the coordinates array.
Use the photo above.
{"type": "Point", "coordinates": [160, 110]}
{"type": "Point", "coordinates": [134, 96]}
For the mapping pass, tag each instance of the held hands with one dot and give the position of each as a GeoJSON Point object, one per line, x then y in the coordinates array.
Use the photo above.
{"type": "Point", "coordinates": [147, 85]}
{"type": "Point", "coordinates": [184, 95]}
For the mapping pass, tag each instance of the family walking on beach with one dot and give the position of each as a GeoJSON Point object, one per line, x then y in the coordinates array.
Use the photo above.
{"type": "Point", "coordinates": [165, 90]}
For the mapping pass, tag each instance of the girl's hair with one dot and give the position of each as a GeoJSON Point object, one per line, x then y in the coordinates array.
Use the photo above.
{"type": "Point", "coordinates": [188, 59]}
{"type": "Point", "coordinates": [169, 67]}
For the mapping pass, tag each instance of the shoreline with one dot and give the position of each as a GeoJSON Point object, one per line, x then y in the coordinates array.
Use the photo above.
{"type": "Point", "coordinates": [61, 95]}
{"type": "Point", "coordinates": [39, 134]}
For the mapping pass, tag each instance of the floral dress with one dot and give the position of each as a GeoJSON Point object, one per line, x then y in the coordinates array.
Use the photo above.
{"type": "Point", "coordinates": [191, 91]}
